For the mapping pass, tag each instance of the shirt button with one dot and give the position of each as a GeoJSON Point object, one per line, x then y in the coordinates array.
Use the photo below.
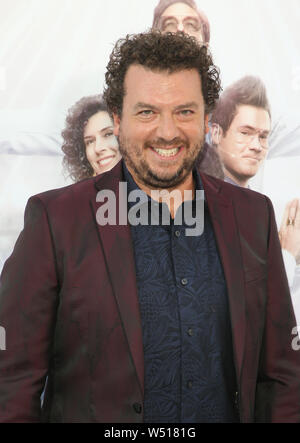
{"type": "Point", "coordinates": [190, 332]}
{"type": "Point", "coordinates": [236, 399]}
{"type": "Point", "coordinates": [177, 234]}
{"type": "Point", "coordinates": [184, 281]}
{"type": "Point", "coordinates": [137, 408]}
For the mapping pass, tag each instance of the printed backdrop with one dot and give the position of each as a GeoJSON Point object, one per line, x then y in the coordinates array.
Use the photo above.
{"type": "Point", "coordinates": [53, 52]}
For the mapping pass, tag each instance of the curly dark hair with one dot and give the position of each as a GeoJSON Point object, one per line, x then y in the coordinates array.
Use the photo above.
{"type": "Point", "coordinates": [75, 160]}
{"type": "Point", "coordinates": [154, 50]}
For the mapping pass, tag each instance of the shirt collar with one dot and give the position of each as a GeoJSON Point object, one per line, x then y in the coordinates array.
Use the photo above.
{"type": "Point", "coordinates": [232, 182]}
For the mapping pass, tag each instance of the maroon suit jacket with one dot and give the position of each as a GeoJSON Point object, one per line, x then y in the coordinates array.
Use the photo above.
{"type": "Point", "coordinates": [69, 304]}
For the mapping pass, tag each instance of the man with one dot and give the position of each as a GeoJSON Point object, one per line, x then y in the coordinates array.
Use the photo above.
{"type": "Point", "coordinates": [241, 125]}
{"type": "Point", "coordinates": [183, 15]}
{"type": "Point", "coordinates": [144, 323]}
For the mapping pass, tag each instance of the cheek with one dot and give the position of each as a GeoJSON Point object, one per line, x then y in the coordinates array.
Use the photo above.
{"type": "Point", "coordinates": [194, 128]}
{"type": "Point", "coordinates": [89, 153]}
{"type": "Point", "coordinates": [230, 155]}
{"type": "Point", "coordinates": [232, 150]}
{"type": "Point", "coordinates": [113, 149]}
{"type": "Point", "coordinates": [137, 131]}
{"type": "Point", "coordinates": [195, 133]}
{"type": "Point", "coordinates": [235, 148]}
{"type": "Point", "coordinates": [231, 162]}
{"type": "Point", "coordinates": [114, 143]}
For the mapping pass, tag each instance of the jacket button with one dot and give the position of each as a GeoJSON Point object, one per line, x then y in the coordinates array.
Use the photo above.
{"type": "Point", "coordinates": [137, 408]}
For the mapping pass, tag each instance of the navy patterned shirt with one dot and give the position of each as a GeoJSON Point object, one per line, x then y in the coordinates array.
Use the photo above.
{"type": "Point", "coordinates": [187, 341]}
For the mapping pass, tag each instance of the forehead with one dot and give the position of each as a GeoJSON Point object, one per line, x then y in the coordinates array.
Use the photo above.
{"type": "Point", "coordinates": [258, 118]}
{"type": "Point", "coordinates": [97, 122]}
{"type": "Point", "coordinates": [161, 87]}
{"type": "Point", "coordinates": [180, 9]}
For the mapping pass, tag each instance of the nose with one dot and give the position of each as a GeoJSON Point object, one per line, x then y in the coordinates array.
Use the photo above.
{"type": "Point", "coordinates": [180, 27]}
{"type": "Point", "coordinates": [167, 128]}
{"type": "Point", "coordinates": [255, 144]}
{"type": "Point", "coordinates": [100, 146]}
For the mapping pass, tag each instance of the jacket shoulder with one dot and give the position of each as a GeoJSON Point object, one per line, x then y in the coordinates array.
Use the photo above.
{"type": "Point", "coordinates": [66, 194]}
{"type": "Point", "coordinates": [234, 193]}
{"type": "Point", "coordinates": [82, 191]}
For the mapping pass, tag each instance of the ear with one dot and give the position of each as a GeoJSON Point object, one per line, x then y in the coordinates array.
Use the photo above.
{"type": "Point", "coordinates": [207, 129]}
{"type": "Point", "coordinates": [216, 134]}
{"type": "Point", "coordinates": [117, 122]}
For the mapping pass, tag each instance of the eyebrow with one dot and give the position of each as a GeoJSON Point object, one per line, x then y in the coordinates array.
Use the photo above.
{"type": "Point", "coordinates": [141, 105]}
{"type": "Point", "coordinates": [193, 105]}
{"type": "Point", "coordinates": [265, 131]}
{"type": "Point", "coordinates": [164, 18]}
{"type": "Point", "coordinates": [102, 130]}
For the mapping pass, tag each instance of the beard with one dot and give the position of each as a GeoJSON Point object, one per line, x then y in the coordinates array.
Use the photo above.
{"type": "Point", "coordinates": [136, 162]}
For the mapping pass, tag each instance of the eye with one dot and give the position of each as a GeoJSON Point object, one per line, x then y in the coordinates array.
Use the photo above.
{"type": "Point", "coordinates": [169, 25]}
{"type": "Point", "coordinates": [89, 142]}
{"type": "Point", "coordinates": [191, 26]}
{"type": "Point", "coordinates": [146, 113]}
{"type": "Point", "coordinates": [186, 113]}
{"type": "Point", "coordinates": [109, 134]}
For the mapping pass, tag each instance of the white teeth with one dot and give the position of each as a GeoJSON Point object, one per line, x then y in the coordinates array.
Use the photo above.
{"type": "Point", "coordinates": [105, 161]}
{"type": "Point", "coordinates": [167, 152]}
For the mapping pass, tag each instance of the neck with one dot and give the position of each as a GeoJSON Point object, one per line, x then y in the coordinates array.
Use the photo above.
{"type": "Point", "coordinates": [173, 197]}
{"type": "Point", "coordinates": [243, 182]}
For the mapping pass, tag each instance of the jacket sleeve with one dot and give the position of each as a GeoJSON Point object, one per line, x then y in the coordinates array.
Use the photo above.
{"type": "Point", "coordinates": [278, 384]}
{"type": "Point", "coordinates": [28, 299]}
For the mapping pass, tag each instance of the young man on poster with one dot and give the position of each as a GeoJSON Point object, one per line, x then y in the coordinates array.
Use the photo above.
{"type": "Point", "coordinates": [241, 125]}
{"type": "Point", "coordinates": [141, 323]}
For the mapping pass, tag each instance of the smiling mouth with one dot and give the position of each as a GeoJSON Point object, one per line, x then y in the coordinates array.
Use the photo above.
{"type": "Point", "coordinates": [167, 153]}
{"type": "Point", "coordinates": [253, 158]}
{"type": "Point", "coordinates": [105, 161]}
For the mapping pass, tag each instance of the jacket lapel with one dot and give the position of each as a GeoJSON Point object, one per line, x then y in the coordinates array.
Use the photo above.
{"type": "Point", "coordinates": [118, 251]}
{"type": "Point", "coordinates": [227, 237]}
